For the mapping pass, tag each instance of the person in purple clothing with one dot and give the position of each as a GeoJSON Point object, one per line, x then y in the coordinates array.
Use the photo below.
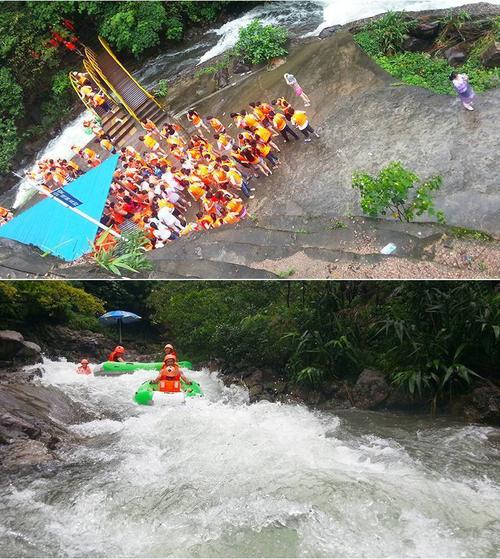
{"type": "Point", "coordinates": [464, 89]}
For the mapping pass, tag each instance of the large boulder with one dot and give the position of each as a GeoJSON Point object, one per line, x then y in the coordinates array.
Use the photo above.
{"type": "Point", "coordinates": [427, 30]}
{"type": "Point", "coordinates": [491, 57]}
{"type": "Point", "coordinates": [457, 55]}
{"type": "Point", "coordinates": [472, 30]}
{"type": "Point", "coordinates": [15, 351]}
{"type": "Point", "coordinates": [371, 390]}
{"type": "Point", "coordinates": [240, 67]}
{"type": "Point", "coordinates": [415, 44]}
{"type": "Point", "coordinates": [329, 31]}
{"type": "Point", "coordinates": [484, 406]}
{"type": "Point", "coordinates": [221, 78]}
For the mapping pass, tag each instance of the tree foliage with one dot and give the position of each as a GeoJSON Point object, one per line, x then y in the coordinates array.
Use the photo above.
{"type": "Point", "coordinates": [47, 301]}
{"type": "Point", "coordinates": [427, 336]}
{"type": "Point", "coordinates": [398, 192]}
{"type": "Point", "coordinates": [34, 91]}
{"type": "Point", "coordinates": [258, 43]}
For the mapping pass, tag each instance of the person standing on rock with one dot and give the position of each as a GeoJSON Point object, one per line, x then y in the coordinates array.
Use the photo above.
{"type": "Point", "coordinates": [291, 80]}
{"type": "Point", "coordinates": [464, 89]}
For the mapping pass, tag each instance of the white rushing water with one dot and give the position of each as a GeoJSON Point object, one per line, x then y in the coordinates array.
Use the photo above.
{"type": "Point", "coordinates": [291, 14]}
{"type": "Point", "coordinates": [221, 478]}
{"type": "Point", "coordinates": [58, 148]}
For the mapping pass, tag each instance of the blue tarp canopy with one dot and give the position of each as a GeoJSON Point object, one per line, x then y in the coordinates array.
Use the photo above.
{"type": "Point", "coordinates": [58, 230]}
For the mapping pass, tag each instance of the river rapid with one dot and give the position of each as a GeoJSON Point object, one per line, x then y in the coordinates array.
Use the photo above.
{"type": "Point", "coordinates": [301, 19]}
{"type": "Point", "coordinates": [220, 477]}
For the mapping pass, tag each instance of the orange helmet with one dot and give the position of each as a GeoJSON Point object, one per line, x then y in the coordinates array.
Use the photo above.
{"type": "Point", "coordinates": [119, 349]}
{"type": "Point", "coordinates": [169, 356]}
{"type": "Point", "coordinates": [84, 361]}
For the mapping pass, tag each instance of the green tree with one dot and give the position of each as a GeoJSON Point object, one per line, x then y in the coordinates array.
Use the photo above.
{"type": "Point", "coordinates": [258, 43]}
{"type": "Point", "coordinates": [397, 191]}
{"type": "Point", "coordinates": [136, 27]}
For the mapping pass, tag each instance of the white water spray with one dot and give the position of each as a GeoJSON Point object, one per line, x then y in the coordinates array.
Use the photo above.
{"type": "Point", "coordinates": [58, 148]}
{"type": "Point", "coordinates": [219, 477]}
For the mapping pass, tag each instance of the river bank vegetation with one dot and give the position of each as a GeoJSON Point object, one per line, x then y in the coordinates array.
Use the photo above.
{"type": "Point", "coordinates": [425, 54]}
{"type": "Point", "coordinates": [434, 340]}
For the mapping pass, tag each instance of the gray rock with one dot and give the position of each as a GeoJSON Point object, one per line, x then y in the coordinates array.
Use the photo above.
{"type": "Point", "coordinates": [221, 77]}
{"type": "Point", "coordinates": [29, 354]}
{"type": "Point", "coordinates": [14, 350]}
{"type": "Point", "coordinates": [484, 406]}
{"type": "Point", "coordinates": [370, 390]}
{"type": "Point", "coordinates": [472, 30]}
{"type": "Point", "coordinates": [255, 392]}
{"type": "Point", "coordinates": [426, 30]}
{"type": "Point", "coordinates": [329, 31]}
{"type": "Point", "coordinates": [240, 67]}
{"type": "Point", "coordinates": [457, 55]}
{"type": "Point", "coordinates": [414, 44]}
{"type": "Point", "coordinates": [491, 57]}
{"type": "Point", "coordinates": [26, 453]}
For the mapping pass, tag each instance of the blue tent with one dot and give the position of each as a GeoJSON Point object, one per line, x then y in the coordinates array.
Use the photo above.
{"type": "Point", "coordinates": [56, 229]}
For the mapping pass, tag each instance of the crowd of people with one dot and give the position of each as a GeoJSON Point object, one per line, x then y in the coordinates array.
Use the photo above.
{"type": "Point", "coordinates": [90, 93]}
{"type": "Point", "coordinates": [209, 171]}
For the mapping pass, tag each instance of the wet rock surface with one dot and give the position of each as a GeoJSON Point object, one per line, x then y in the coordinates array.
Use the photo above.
{"type": "Point", "coordinates": [33, 423]}
{"type": "Point", "coordinates": [15, 351]}
{"type": "Point", "coordinates": [371, 391]}
{"type": "Point", "coordinates": [483, 405]}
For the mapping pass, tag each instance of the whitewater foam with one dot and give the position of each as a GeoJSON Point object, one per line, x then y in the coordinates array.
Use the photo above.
{"type": "Point", "coordinates": [222, 477]}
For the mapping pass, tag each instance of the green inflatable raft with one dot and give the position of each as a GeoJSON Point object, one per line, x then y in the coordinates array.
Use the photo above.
{"type": "Point", "coordinates": [115, 368]}
{"type": "Point", "coordinates": [148, 393]}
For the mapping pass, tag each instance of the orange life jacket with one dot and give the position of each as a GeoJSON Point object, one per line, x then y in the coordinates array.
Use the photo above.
{"type": "Point", "coordinates": [170, 380]}
{"type": "Point", "coordinates": [113, 356]}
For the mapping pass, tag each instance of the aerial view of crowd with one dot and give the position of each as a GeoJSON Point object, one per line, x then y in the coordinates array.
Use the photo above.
{"type": "Point", "coordinates": [181, 183]}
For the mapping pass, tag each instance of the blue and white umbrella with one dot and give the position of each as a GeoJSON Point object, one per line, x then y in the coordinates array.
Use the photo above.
{"type": "Point", "coordinates": [119, 317]}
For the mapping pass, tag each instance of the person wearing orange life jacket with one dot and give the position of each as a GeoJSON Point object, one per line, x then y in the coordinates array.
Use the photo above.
{"type": "Point", "coordinates": [117, 354]}
{"type": "Point", "coordinates": [170, 376]}
{"type": "Point", "coordinates": [279, 122]}
{"type": "Point", "coordinates": [300, 120]}
{"type": "Point", "coordinates": [196, 119]}
{"type": "Point", "coordinates": [216, 124]}
{"type": "Point", "coordinates": [169, 350]}
{"type": "Point", "coordinates": [84, 368]}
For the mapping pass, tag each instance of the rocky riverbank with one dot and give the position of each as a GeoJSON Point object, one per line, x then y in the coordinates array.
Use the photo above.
{"type": "Point", "coordinates": [370, 391]}
{"type": "Point", "coordinates": [34, 419]}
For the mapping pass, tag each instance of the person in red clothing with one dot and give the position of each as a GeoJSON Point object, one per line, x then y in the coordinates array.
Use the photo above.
{"type": "Point", "coordinates": [117, 354]}
{"type": "Point", "coordinates": [170, 376]}
{"type": "Point", "coordinates": [84, 368]}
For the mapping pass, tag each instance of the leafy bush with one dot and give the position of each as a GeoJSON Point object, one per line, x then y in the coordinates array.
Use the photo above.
{"type": "Point", "coordinates": [387, 34]}
{"type": "Point", "coordinates": [419, 69]}
{"type": "Point", "coordinates": [258, 43]}
{"type": "Point", "coordinates": [137, 27]}
{"type": "Point", "coordinates": [394, 190]}
{"type": "Point", "coordinates": [11, 95]}
{"type": "Point", "coordinates": [161, 88]}
{"type": "Point", "coordinates": [127, 254]}
{"type": "Point", "coordinates": [47, 301]}
{"type": "Point", "coordinates": [61, 85]}
{"type": "Point", "coordinates": [9, 142]}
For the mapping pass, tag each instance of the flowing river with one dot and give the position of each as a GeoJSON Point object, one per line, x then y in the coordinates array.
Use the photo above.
{"type": "Point", "coordinates": [220, 477]}
{"type": "Point", "coordinates": [300, 18]}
